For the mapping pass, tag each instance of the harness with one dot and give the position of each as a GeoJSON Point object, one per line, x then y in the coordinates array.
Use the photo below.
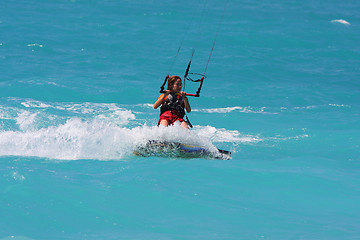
{"type": "Point", "coordinates": [173, 102]}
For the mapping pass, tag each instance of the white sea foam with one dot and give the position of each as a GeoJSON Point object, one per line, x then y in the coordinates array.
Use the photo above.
{"type": "Point", "coordinates": [282, 138]}
{"type": "Point", "coordinates": [97, 139]}
{"type": "Point", "coordinates": [35, 45]}
{"type": "Point", "coordinates": [35, 104]}
{"type": "Point", "coordinates": [322, 106]}
{"type": "Point", "coordinates": [306, 107]}
{"type": "Point", "coordinates": [105, 111]}
{"type": "Point", "coordinates": [339, 105]}
{"type": "Point", "coordinates": [25, 119]}
{"type": "Point", "coordinates": [75, 139]}
{"type": "Point", "coordinates": [103, 131]}
{"type": "Point", "coordinates": [235, 108]}
{"type": "Point", "coordinates": [148, 105]}
{"type": "Point", "coordinates": [223, 135]}
{"type": "Point", "coordinates": [17, 176]}
{"type": "Point", "coordinates": [342, 21]}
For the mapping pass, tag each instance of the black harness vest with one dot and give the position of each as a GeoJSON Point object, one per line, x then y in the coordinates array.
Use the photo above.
{"type": "Point", "coordinates": [173, 103]}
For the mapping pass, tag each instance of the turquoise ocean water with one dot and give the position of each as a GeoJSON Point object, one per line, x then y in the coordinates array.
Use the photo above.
{"type": "Point", "coordinates": [77, 84]}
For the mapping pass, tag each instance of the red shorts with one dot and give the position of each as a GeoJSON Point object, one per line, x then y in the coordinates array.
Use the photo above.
{"type": "Point", "coordinates": [171, 117]}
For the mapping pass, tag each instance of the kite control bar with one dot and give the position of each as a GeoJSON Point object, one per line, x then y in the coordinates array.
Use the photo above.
{"type": "Point", "coordinates": [186, 77]}
{"type": "Point", "coordinates": [187, 94]}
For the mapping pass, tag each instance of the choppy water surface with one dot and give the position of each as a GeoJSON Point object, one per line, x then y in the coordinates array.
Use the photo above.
{"type": "Point", "coordinates": [78, 80]}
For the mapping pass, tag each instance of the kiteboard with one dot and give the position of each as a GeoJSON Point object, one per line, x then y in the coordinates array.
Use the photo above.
{"type": "Point", "coordinates": [178, 150]}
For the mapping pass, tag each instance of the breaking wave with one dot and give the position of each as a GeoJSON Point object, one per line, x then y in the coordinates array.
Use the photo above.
{"type": "Point", "coordinates": [71, 131]}
{"type": "Point", "coordinates": [341, 21]}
